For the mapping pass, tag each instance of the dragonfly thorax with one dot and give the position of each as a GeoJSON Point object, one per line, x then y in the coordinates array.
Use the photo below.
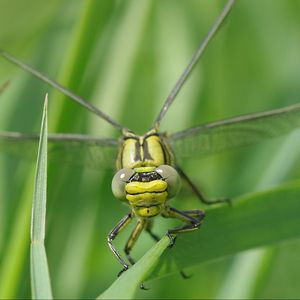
{"type": "Point", "coordinates": [150, 149]}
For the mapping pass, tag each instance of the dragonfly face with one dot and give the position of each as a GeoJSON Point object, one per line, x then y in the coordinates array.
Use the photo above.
{"type": "Point", "coordinates": [145, 179]}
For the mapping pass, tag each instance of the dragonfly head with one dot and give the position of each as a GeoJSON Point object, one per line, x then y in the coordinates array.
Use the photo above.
{"type": "Point", "coordinates": [146, 189]}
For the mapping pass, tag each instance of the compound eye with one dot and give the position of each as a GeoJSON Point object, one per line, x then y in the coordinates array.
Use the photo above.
{"type": "Point", "coordinates": [119, 181]}
{"type": "Point", "coordinates": [171, 177]}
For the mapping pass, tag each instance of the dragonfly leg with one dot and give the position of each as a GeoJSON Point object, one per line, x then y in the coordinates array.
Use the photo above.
{"type": "Point", "coordinates": [113, 234]}
{"type": "Point", "coordinates": [149, 230]}
{"type": "Point", "coordinates": [195, 213]}
{"type": "Point", "coordinates": [198, 193]}
{"type": "Point", "coordinates": [133, 238]}
{"type": "Point", "coordinates": [131, 242]}
{"type": "Point", "coordinates": [193, 218]}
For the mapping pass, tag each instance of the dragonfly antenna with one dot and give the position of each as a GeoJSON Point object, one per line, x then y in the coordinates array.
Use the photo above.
{"type": "Point", "coordinates": [196, 57]}
{"type": "Point", "coordinates": [62, 89]}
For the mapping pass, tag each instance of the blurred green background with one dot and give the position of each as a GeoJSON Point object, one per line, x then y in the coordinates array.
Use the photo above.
{"type": "Point", "coordinates": [125, 56]}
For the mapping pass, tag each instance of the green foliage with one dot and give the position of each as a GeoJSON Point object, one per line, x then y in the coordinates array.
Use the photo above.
{"type": "Point", "coordinates": [125, 286]}
{"type": "Point", "coordinates": [40, 281]}
{"type": "Point", "coordinates": [125, 62]}
{"type": "Point", "coordinates": [255, 220]}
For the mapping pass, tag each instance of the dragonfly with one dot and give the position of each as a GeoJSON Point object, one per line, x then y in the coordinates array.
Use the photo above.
{"type": "Point", "coordinates": [148, 174]}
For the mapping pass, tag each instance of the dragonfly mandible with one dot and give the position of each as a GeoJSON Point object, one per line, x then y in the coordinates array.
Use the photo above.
{"type": "Point", "coordinates": [148, 174]}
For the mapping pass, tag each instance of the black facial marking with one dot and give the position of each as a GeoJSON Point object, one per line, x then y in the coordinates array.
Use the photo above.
{"type": "Point", "coordinates": [145, 177]}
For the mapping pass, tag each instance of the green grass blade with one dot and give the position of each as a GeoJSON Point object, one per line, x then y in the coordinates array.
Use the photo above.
{"type": "Point", "coordinates": [40, 280]}
{"type": "Point", "coordinates": [125, 286]}
{"type": "Point", "coordinates": [255, 220]}
{"type": "Point", "coordinates": [94, 15]}
{"type": "Point", "coordinates": [245, 274]}
{"type": "Point", "coordinates": [17, 246]}
{"type": "Point", "coordinates": [251, 270]}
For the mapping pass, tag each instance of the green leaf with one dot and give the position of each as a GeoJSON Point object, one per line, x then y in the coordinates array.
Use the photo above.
{"type": "Point", "coordinates": [255, 220]}
{"type": "Point", "coordinates": [40, 280]}
{"type": "Point", "coordinates": [125, 286]}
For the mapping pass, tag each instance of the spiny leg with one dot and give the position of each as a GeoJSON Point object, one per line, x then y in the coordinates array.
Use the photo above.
{"type": "Point", "coordinates": [133, 238]}
{"type": "Point", "coordinates": [198, 193]}
{"type": "Point", "coordinates": [149, 230]}
{"type": "Point", "coordinates": [131, 242]}
{"type": "Point", "coordinates": [113, 234]}
{"type": "Point", "coordinates": [193, 218]}
{"type": "Point", "coordinates": [195, 213]}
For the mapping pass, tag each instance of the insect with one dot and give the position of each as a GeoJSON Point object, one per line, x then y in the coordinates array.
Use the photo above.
{"type": "Point", "coordinates": [148, 175]}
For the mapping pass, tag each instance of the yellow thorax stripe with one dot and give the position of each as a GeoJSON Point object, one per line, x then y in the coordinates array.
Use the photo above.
{"type": "Point", "coordinates": [137, 187]}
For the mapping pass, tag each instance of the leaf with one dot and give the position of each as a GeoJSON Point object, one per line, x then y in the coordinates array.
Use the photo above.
{"type": "Point", "coordinates": [40, 280]}
{"type": "Point", "coordinates": [125, 286]}
{"type": "Point", "coordinates": [255, 220]}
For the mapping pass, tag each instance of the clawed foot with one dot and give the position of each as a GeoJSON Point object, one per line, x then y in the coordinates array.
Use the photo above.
{"type": "Point", "coordinates": [184, 275]}
{"type": "Point", "coordinates": [126, 267]}
{"type": "Point", "coordinates": [142, 287]}
{"type": "Point", "coordinates": [123, 270]}
{"type": "Point", "coordinates": [172, 239]}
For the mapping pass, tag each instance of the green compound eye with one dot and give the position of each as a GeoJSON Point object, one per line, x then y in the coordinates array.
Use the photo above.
{"type": "Point", "coordinates": [119, 181]}
{"type": "Point", "coordinates": [171, 177]}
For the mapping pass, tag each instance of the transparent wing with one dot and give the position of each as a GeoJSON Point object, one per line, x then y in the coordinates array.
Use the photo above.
{"type": "Point", "coordinates": [243, 130]}
{"type": "Point", "coordinates": [75, 149]}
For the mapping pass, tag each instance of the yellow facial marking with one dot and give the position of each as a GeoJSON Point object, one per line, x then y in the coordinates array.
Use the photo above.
{"type": "Point", "coordinates": [150, 198]}
{"type": "Point", "coordinates": [144, 169]}
{"type": "Point", "coordinates": [145, 212]}
{"type": "Point", "coordinates": [137, 187]}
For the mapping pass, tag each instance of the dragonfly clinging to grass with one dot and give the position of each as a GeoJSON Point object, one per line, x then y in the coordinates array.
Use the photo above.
{"type": "Point", "coordinates": [148, 174]}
